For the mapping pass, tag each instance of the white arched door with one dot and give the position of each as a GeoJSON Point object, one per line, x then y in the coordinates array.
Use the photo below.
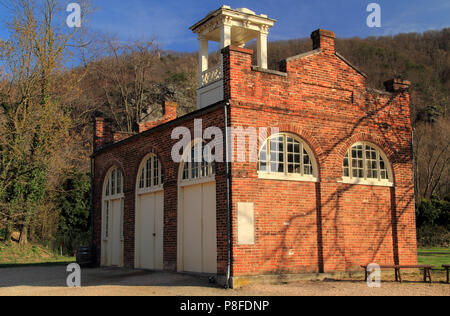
{"type": "Point", "coordinates": [197, 232]}
{"type": "Point", "coordinates": [149, 215]}
{"type": "Point", "coordinates": [112, 219]}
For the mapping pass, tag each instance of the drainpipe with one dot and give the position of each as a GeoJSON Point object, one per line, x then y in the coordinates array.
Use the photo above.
{"type": "Point", "coordinates": [91, 199]}
{"type": "Point", "coordinates": [229, 216]}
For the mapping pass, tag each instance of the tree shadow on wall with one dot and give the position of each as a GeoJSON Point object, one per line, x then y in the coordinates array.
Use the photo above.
{"type": "Point", "coordinates": [333, 239]}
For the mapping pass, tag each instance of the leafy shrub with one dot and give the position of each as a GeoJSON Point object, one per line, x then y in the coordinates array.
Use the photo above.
{"type": "Point", "coordinates": [433, 236]}
{"type": "Point", "coordinates": [74, 221]}
{"type": "Point", "coordinates": [433, 223]}
{"type": "Point", "coordinates": [433, 212]}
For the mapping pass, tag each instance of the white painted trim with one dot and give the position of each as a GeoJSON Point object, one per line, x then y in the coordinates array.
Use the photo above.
{"type": "Point", "coordinates": [289, 176]}
{"type": "Point", "coordinates": [114, 197]}
{"type": "Point", "coordinates": [150, 190]}
{"type": "Point", "coordinates": [186, 183]}
{"type": "Point", "coordinates": [367, 181]}
{"type": "Point", "coordinates": [358, 181]}
{"type": "Point", "coordinates": [285, 177]}
{"type": "Point", "coordinates": [111, 198]}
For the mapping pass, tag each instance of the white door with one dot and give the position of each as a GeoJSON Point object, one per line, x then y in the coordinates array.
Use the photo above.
{"type": "Point", "coordinates": [116, 232]}
{"type": "Point", "coordinates": [199, 228]}
{"type": "Point", "coordinates": [150, 231]}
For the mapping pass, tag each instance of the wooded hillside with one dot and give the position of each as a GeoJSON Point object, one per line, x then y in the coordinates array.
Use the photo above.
{"type": "Point", "coordinates": [46, 111]}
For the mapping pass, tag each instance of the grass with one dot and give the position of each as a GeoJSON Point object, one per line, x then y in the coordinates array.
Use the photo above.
{"type": "Point", "coordinates": [434, 256]}
{"type": "Point", "coordinates": [13, 255]}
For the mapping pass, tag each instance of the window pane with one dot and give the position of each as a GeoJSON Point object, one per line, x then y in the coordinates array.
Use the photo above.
{"type": "Point", "coordinates": [148, 171]}
{"type": "Point", "coordinates": [119, 182]}
{"type": "Point", "coordinates": [107, 188]}
{"type": "Point", "coordinates": [141, 178]}
{"type": "Point", "coordinates": [347, 172]}
{"type": "Point", "coordinates": [307, 163]}
{"type": "Point", "coordinates": [263, 154]}
{"type": "Point", "coordinates": [263, 166]}
{"type": "Point", "coordinates": [113, 182]}
{"type": "Point", "coordinates": [383, 170]}
{"type": "Point", "coordinates": [186, 171]}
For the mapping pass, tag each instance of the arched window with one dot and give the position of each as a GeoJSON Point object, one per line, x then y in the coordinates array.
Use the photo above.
{"type": "Point", "coordinates": [196, 165]}
{"type": "Point", "coordinates": [114, 184]}
{"type": "Point", "coordinates": [285, 156]}
{"type": "Point", "coordinates": [365, 163]}
{"type": "Point", "coordinates": [150, 173]}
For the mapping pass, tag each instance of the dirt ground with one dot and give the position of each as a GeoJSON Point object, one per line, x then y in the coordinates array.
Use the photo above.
{"type": "Point", "coordinates": [51, 281]}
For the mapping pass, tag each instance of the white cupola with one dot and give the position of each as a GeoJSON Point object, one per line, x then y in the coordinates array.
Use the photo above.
{"type": "Point", "coordinates": [227, 27]}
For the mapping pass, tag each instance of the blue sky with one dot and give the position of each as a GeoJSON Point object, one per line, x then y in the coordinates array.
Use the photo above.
{"type": "Point", "coordinates": [169, 21]}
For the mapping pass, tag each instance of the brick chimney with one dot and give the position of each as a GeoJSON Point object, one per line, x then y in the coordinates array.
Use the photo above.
{"type": "Point", "coordinates": [169, 114]}
{"type": "Point", "coordinates": [103, 132]}
{"type": "Point", "coordinates": [324, 40]}
{"type": "Point", "coordinates": [397, 85]}
{"type": "Point", "coordinates": [170, 110]}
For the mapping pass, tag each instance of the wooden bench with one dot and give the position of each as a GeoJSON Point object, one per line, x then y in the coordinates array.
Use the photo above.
{"type": "Point", "coordinates": [398, 277]}
{"type": "Point", "coordinates": [447, 268]}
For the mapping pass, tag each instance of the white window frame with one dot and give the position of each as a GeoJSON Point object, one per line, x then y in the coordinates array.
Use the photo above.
{"type": "Point", "coordinates": [108, 197]}
{"type": "Point", "coordinates": [200, 178]}
{"type": "Point", "coordinates": [145, 172]}
{"type": "Point", "coordinates": [269, 175]}
{"type": "Point", "coordinates": [366, 180]}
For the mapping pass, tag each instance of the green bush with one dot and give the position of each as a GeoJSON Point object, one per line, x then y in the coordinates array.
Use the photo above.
{"type": "Point", "coordinates": [433, 236]}
{"type": "Point", "coordinates": [433, 223]}
{"type": "Point", "coordinates": [433, 212]}
{"type": "Point", "coordinates": [74, 221]}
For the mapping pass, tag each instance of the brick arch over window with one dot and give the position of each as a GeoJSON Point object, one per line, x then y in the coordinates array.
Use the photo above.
{"type": "Point", "coordinates": [114, 163]}
{"type": "Point", "coordinates": [342, 150]}
{"type": "Point", "coordinates": [150, 175]}
{"type": "Point", "coordinates": [144, 152]}
{"type": "Point", "coordinates": [294, 159]}
{"type": "Point", "coordinates": [307, 136]}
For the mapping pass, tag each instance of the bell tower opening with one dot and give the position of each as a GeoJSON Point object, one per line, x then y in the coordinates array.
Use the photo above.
{"type": "Point", "coordinates": [227, 26]}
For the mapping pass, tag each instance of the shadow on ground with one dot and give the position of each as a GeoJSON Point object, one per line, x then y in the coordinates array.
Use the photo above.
{"type": "Point", "coordinates": [56, 275]}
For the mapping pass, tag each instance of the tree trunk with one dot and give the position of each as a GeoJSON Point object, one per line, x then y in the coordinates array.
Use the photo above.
{"type": "Point", "coordinates": [8, 232]}
{"type": "Point", "coordinates": [23, 240]}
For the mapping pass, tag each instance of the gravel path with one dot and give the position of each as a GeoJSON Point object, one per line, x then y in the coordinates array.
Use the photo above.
{"type": "Point", "coordinates": [44, 281]}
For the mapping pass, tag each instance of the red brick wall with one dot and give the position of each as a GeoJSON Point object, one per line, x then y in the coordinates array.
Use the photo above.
{"type": "Point", "coordinates": [328, 226]}
{"type": "Point", "coordinates": [127, 156]}
{"type": "Point", "coordinates": [300, 226]}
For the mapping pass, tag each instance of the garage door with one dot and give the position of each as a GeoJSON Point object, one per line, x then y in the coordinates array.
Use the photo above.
{"type": "Point", "coordinates": [112, 219]}
{"type": "Point", "coordinates": [150, 231]}
{"type": "Point", "coordinates": [199, 228]}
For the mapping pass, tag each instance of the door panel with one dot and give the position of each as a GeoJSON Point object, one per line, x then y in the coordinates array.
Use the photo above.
{"type": "Point", "coordinates": [150, 226]}
{"type": "Point", "coordinates": [159, 230]}
{"type": "Point", "coordinates": [147, 229]}
{"type": "Point", "coordinates": [209, 228]}
{"type": "Point", "coordinates": [199, 228]}
{"type": "Point", "coordinates": [115, 237]}
{"type": "Point", "coordinates": [192, 232]}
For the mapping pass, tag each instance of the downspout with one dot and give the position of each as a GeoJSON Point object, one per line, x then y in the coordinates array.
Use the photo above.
{"type": "Point", "coordinates": [91, 200]}
{"type": "Point", "coordinates": [229, 216]}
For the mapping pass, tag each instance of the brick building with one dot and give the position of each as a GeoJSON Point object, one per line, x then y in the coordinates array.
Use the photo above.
{"type": "Point", "coordinates": [330, 190]}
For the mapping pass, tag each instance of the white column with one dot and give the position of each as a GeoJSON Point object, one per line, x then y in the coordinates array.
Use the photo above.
{"type": "Point", "coordinates": [225, 35]}
{"type": "Point", "coordinates": [202, 58]}
{"type": "Point", "coordinates": [262, 50]}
